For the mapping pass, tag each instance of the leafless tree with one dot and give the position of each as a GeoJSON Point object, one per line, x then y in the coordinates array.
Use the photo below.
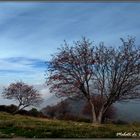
{"type": "Point", "coordinates": [25, 95]}
{"type": "Point", "coordinates": [117, 73]}
{"type": "Point", "coordinates": [84, 70]}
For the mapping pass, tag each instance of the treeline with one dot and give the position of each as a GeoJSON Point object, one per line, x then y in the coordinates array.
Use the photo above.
{"type": "Point", "coordinates": [12, 108]}
{"type": "Point", "coordinates": [77, 111]}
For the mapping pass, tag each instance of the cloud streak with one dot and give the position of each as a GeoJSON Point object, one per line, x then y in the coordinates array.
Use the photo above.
{"type": "Point", "coordinates": [22, 68]}
{"type": "Point", "coordinates": [39, 28]}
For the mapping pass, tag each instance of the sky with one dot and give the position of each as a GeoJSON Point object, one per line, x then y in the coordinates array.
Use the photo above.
{"type": "Point", "coordinates": [31, 31]}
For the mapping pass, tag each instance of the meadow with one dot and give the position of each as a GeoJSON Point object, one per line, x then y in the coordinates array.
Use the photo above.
{"type": "Point", "coordinates": [18, 126]}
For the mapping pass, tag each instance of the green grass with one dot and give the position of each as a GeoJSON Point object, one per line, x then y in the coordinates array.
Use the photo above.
{"type": "Point", "coordinates": [30, 127]}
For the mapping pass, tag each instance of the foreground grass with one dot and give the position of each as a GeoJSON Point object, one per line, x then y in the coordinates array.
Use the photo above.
{"type": "Point", "coordinates": [29, 127]}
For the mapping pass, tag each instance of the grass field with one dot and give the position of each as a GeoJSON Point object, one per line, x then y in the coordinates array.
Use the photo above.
{"type": "Point", "coordinates": [29, 127]}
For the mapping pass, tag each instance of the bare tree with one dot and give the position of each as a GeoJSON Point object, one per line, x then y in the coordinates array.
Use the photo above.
{"type": "Point", "coordinates": [25, 95]}
{"type": "Point", "coordinates": [117, 73]}
{"type": "Point", "coordinates": [71, 70]}
{"type": "Point", "coordinates": [84, 70]}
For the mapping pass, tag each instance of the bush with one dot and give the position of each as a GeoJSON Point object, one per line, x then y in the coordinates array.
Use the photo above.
{"type": "Point", "coordinates": [12, 108]}
{"type": "Point", "coordinates": [9, 109]}
{"type": "Point", "coordinates": [23, 112]}
{"type": "Point", "coordinates": [34, 112]}
{"type": "Point", "coordinates": [120, 122]}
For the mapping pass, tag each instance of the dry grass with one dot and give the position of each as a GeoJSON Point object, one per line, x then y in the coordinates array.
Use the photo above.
{"type": "Point", "coordinates": [30, 127]}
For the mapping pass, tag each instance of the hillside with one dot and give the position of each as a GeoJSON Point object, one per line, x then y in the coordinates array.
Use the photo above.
{"type": "Point", "coordinates": [29, 127]}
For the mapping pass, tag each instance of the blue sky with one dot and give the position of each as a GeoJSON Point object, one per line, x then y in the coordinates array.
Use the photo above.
{"type": "Point", "coordinates": [31, 31]}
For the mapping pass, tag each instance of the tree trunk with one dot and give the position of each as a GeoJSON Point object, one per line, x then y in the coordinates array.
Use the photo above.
{"type": "Point", "coordinates": [100, 116]}
{"type": "Point", "coordinates": [16, 110]}
{"type": "Point", "coordinates": [94, 118]}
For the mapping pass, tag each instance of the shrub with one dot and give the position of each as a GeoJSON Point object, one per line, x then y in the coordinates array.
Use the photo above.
{"type": "Point", "coordinates": [10, 109]}
{"type": "Point", "coordinates": [120, 122]}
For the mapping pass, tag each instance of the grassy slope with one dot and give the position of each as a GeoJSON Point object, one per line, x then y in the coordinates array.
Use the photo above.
{"type": "Point", "coordinates": [29, 127]}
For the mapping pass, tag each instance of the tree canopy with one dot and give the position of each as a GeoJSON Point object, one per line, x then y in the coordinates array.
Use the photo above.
{"type": "Point", "coordinates": [84, 70]}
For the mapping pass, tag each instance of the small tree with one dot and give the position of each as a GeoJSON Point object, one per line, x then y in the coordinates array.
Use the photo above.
{"type": "Point", "coordinates": [25, 95]}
